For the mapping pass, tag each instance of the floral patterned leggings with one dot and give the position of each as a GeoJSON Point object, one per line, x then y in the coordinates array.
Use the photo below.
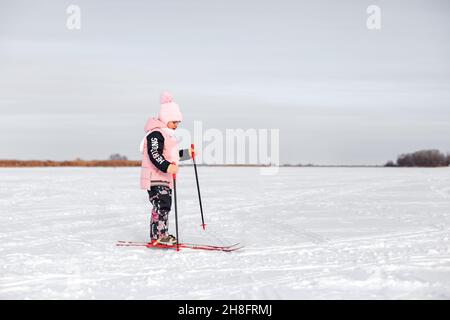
{"type": "Point", "coordinates": [161, 199]}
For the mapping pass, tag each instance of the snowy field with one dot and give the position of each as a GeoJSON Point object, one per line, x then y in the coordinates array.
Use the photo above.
{"type": "Point", "coordinates": [310, 233]}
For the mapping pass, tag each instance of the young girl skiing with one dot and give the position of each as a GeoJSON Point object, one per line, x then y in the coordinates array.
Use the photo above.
{"type": "Point", "coordinates": [160, 157]}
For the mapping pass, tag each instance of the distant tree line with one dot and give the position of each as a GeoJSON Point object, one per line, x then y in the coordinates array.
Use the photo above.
{"type": "Point", "coordinates": [422, 158]}
{"type": "Point", "coordinates": [117, 156]}
{"type": "Point", "coordinates": [115, 160]}
{"type": "Point", "coordinates": [69, 163]}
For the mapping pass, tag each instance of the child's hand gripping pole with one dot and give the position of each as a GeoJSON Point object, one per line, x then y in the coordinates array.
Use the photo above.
{"type": "Point", "coordinates": [174, 175]}
{"type": "Point", "coordinates": [198, 186]}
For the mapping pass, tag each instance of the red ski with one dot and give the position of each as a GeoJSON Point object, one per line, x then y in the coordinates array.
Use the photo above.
{"type": "Point", "coordinates": [194, 246]}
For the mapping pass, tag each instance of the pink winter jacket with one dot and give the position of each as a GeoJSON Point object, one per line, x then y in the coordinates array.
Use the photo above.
{"type": "Point", "coordinates": [150, 175]}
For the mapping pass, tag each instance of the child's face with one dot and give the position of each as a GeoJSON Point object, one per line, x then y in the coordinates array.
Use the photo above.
{"type": "Point", "coordinates": [173, 124]}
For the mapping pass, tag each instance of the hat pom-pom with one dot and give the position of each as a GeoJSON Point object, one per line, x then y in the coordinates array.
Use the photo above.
{"type": "Point", "coordinates": [166, 97]}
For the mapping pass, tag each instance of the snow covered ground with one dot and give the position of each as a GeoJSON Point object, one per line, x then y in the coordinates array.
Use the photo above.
{"type": "Point", "coordinates": [310, 233]}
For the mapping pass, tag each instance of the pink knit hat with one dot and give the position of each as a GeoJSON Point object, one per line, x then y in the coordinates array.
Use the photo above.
{"type": "Point", "coordinates": [169, 111]}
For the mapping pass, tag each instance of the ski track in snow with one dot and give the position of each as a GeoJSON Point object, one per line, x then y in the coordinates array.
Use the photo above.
{"type": "Point", "coordinates": [310, 233]}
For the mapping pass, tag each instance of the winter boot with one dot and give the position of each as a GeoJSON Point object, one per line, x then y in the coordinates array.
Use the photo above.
{"type": "Point", "coordinates": [169, 240]}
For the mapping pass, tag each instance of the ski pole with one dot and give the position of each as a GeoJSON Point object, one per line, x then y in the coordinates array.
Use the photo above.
{"type": "Point", "coordinates": [176, 209]}
{"type": "Point", "coordinates": [198, 186]}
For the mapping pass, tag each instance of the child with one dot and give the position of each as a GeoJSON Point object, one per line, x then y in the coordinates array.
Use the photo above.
{"type": "Point", "coordinates": [160, 157]}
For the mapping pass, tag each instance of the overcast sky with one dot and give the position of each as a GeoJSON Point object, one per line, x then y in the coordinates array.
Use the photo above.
{"type": "Point", "coordinates": [339, 92]}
